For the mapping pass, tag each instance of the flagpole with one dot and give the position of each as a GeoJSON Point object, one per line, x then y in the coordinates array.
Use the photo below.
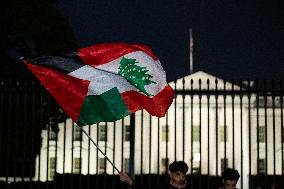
{"type": "Point", "coordinates": [99, 149]}
{"type": "Point", "coordinates": [190, 51]}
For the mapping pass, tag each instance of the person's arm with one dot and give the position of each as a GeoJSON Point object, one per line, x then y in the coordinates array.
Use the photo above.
{"type": "Point", "coordinates": [125, 178]}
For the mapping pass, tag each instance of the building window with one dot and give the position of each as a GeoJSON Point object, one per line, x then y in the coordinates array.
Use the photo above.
{"type": "Point", "coordinates": [196, 156]}
{"type": "Point", "coordinates": [52, 134]}
{"type": "Point", "coordinates": [262, 101]}
{"type": "Point", "coordinates": [165, 133]}
{"type": "Point", "coordinates": [195, 170]}
{"type": "Point", "coordinates": [261, 134]}
{"type": "Point", "coordinates": [195, 133]}
{"type": "Point", "coordinates": [195, 167]}
{"type": "Point", "coordinates": [261, 166]}
{"type": "Point", "coordinates": [52, 165]}
{"type": "Point", "coordinates": [126, 165]}
{"type": "Point", "coordinates": [102, 133]}
{"type": "Point", "coordinates": [224, 164]}
{"type": "Point", "coordinates": [126, 132]}
{"type": "Point", "coordinates": [224, 133]}
{"type": "Point", "coordinates": [76, 165]}
{"type": "Point", "coordinates": [77, 134]}
{"type": "Point", "coordinates": [195, 163]}
{"type": "Point", "coordinates": [102, 165]}
{"type": "Point", "coordinates": [165, 164]}
{"type": "Point", "coordinates": [52, 129]}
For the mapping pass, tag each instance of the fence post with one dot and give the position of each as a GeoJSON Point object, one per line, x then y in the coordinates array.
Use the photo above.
{"type": "Point", "coordinates": [132, 145]}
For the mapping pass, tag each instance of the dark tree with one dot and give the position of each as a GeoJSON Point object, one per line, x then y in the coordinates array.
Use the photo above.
{"type": "Point", "coordinates": [31, 28]}
{"type": "Point", "coordinates": [28, 28]}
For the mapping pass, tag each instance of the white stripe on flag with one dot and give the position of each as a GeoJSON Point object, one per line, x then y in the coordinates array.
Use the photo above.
{"type": "Point", "coordinates": [102, 81]}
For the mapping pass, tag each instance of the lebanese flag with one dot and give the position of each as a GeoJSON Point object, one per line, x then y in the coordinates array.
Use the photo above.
{"type": "Point", "coordinates": [105, 82]}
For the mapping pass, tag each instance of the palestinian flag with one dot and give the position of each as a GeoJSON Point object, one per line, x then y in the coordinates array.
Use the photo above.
{"type": "Point", "coordinates": [105, 82]}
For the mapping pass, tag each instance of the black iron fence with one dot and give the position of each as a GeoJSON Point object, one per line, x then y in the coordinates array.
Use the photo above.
{"type": "Point", "coordinates": [212, 124]}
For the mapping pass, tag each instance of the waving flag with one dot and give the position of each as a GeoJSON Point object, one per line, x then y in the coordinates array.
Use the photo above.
{"type": "Point", "coordinates": [105, 82]}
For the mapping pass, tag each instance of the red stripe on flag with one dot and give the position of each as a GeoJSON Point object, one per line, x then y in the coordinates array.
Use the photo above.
{"type": "Point", "coordinates": [103, 53]}
{"type": "Point", "coordinates": [68, 91]}
{"type": "Point", "coordinates": [157, 105]}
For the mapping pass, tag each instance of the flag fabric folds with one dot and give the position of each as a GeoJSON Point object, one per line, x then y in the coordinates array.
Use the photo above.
{"type": "Point", "coordinates": [105, 82]}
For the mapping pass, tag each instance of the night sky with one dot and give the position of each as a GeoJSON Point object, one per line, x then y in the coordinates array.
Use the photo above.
{"type": "Point", "coordinates": [232, 39]}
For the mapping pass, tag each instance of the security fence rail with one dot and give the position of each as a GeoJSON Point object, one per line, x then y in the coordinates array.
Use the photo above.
{"type": "Point", "coordinates": [212, 124]}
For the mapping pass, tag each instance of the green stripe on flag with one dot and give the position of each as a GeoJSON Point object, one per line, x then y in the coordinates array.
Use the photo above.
{"type": "Point", "coordinates": [107, 107]}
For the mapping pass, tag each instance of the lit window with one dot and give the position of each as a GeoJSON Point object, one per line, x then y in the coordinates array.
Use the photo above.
{"type": "Point", "coordinates": [102, 133]}
{"type": "Point", "coordinates": [52, 165]}
{"type": "Point", "coordinates": [165, 133]}
{"type": "Point", "coordinates": [196, 157]}
{"type": "Point", "coordinates": [261, 166]}
{"type": "Point", "coordinates": [126, 165]}
{"type": "Point", "coordinates": [102, 165]}
{"type": "Point", "coordinates": [261, 133]}
{"type": "Point", "coordinates": [223, 134]}
{"type": "Point", "coordinates": [77, 133]}
{"type": "Point", "coordinates": [127, 132]}
{"type": "Point", "coordinates": [52, 129]}
{"type": "Point", "coordinates": [76, 165]}
{"type": "Point", "coordinates": [195, 167]}
{"type": "Point", "coordinates": [52, 134]}
{"type": "Point", "coordinates": [195, 133]}
{"type": "Point", "coordinates": [196, 163]}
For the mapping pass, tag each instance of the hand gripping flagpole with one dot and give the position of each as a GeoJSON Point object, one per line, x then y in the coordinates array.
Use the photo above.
{"type": "Point", "coordinates": [99, 149]}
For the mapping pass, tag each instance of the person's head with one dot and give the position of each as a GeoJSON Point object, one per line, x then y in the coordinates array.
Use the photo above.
{"type": "Point", "coordinates": [230, 178]}
{"type": "Point", "coordinates": [178, 170]}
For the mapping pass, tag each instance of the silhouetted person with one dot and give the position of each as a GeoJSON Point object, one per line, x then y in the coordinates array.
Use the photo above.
{"type": "Point", "coordinates": [177, 177]}
{"type": "Point", "coordinates": [230, 178]}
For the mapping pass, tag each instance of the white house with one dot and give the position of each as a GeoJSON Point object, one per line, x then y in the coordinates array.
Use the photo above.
{"type": "Point", "coordinates": [227, 126]}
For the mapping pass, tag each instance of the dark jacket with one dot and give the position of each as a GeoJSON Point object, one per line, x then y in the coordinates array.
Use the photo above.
{"type": "Point", "coordinates": [167, 185]}
{"type": "Point", "coordinates": [162, 184]}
